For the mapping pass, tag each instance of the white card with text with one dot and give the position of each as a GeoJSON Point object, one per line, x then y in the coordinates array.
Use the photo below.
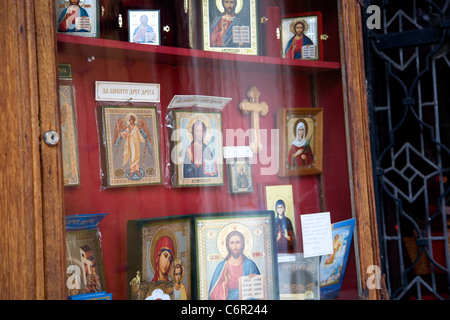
{"type": "Point", "coordinates": [316, 234]}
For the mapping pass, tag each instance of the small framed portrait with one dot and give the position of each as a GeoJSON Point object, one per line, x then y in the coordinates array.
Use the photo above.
{"type": "Point", "coordinates": [77, 17]}
{"type": "Point", "coordinates": [132, 146]}
{"type": "Point", "coordinates": [298, 277]}
{"type": "Point", "coordinates": [84, 261]}
{"type": "Point", "coordinates": [300, 36]}
{"type": "Point", "coordinates": [236, 257]}
{"type": "Point", "coordinates": [332, 267]}
{"type": "Point", "coordinates": [159, 259]}
{"type": "Point", "coordinates": [230, 26]}
{"type": "Point", "coordinates": [240, 175]}
{"type": "Point", "coordinates": [144, 26]}
{"type": "Point", "coordinates": [197, 153]}
{"type": "Point", "coordinates": [280, 199]}
{"type": "Point", "coordinates": [71, 166]}
{"type": "Point", "coordinates": [301, 135]}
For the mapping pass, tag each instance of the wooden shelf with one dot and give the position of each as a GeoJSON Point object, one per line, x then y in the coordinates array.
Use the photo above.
{"type": "Point", "coordinates": [121, 50]}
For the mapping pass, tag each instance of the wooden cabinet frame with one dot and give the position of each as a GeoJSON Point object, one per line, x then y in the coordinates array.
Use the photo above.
{"type": "Point", "coordinates": [31, 197]}
{"type": "Point", "coordinates": [355, 100]}
{"type": "Point", "coordinates": [32, 238]}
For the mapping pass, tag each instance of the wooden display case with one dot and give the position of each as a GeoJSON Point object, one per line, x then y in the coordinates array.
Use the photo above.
{"type": "Point", "coordinates": [344, 187]}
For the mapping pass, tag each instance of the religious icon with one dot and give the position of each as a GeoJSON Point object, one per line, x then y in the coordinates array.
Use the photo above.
{"type": "Point", "coordinates": [144, 26]}
{"type": "Point", "coordinates": [240, 179]}
{"type": "Point", "coordinates": [332, 266]}
{"type": "Point", "coordinates": [160, 249]}
{"type": "Point", "coordinates": [132, 146]}
{"type": "Point", "coordinates": [235, 256]}
{"type": "Point", "coordinates": [77, 17]}
{"type": "Point", "coordinates": [300, 141]}
{"type": "Point", "coordinates": [280, 199]}
{"type": "Point", "coordinates": [298, 277]}
{"type": "Point", "coordinates": [300, 36]}
{"type": "Point", "coordinates": [69, 137]}
{"type": "Point", "coordinates": [230, 26]}
{"type": "Point", "coordinates": [84, 262]}
{"type": "Point", "coordinates": [198, 149]}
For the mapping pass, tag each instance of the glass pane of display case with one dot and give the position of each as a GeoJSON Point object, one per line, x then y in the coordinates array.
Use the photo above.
{"type": "Point", "coordinates": [205, 150]}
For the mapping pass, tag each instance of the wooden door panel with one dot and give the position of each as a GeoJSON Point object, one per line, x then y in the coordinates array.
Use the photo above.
{"type": "Point", "coordinates": [31, 215]}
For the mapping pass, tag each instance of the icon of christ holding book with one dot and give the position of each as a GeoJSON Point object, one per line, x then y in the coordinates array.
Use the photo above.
{"type": "Point", "coordinates": [230, 28]}
{"type": "Point", "coordinates": [226, 282]}
{"type": "Point", "coordinates": [199, 160]}
{"type": "Point", "coordinates": [74, 18]}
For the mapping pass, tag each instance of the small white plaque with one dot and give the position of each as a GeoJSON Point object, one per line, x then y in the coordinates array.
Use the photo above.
{"type": "Point", "coordinates": [237, 152]}
{"type": "Point", "coordinates": [198, 101]}
{"type": "Point", "coordinates": [127, 91]}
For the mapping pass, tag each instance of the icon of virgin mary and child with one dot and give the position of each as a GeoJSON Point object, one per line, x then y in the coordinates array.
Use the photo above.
{"type": "Point", "coordinates": [166, 283]}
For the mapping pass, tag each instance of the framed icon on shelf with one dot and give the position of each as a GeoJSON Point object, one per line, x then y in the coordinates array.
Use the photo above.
{"type": "Point", "coordinates": [144, 26]}
{"type": "Point", "coordinates": [80, 18]}
{"type": "Point", "coordinates": [301, 145]}
{"type": "Point", "coordinates": [301, 36]}
{"type": "Point", "coordinates": [280, 199]}
{"type": "Point", "coordinates": [240, 245]}
{"type": "Point", "coordinates": [198, 152]}
{"type": "Point", "coordinates": [71, 161]}
{"type": "Point", "coordinates": [332, 267]}
{"type": "Point", "coordinates": [230, 26]}
{"type": "Point", "coordinates": [159, 258]}
{"type": "Point", "coordinates": [132, 146]}
{"type": "Point", "coordinates": [298, 277]}
{"type": "Point", "coordinates": [240, 176]}
{"type": "Point", "coordinates": [84, 258]}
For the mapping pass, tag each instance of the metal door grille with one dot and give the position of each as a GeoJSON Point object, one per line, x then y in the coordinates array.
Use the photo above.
{"type": "Point", "coordinates": [408, 74]}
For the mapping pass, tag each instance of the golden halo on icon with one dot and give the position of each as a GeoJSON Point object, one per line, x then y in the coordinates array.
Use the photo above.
{"type": "Point", "coordinates": [221, 239]}
{"type": "Point", "coordinates": [239, 5]}
{"type": "Point", "coordinates": [127, 118]}
{"type": "Point", "coordinates": [206, 121]}
{"type": "Point", "coordinates": [291, 28]}
{"type": "Point", "coordinates": [176, 262]}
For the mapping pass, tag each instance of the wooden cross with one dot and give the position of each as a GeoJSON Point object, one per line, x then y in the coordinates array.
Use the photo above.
{"type": "Point", "coordinates": [255, 109]}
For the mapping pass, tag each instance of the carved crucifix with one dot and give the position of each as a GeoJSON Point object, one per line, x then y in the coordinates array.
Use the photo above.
{"type": "Point", "coordinates": [255, 108]}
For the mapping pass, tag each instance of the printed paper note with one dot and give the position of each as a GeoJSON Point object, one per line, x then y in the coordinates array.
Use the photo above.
{"type": "Point", "coordinates": [316, 233]}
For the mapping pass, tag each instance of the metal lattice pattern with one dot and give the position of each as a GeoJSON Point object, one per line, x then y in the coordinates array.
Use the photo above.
{"type": "Point", "coordinates": [408, 67]}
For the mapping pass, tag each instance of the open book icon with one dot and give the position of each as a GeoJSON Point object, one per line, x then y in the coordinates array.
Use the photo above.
{"type": "Point", "coordinates": [309, 52]}
{"type": "Point", "coordinates": [209, 167]}
{"type": "Point", "coordinates": [251, 288]}
{"type": "Point", "coordinates": [83, 24]}
{"type": "Point", "coordinates": [241, 34]}
{"type": "Point", "coordinates": [150, 37]}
